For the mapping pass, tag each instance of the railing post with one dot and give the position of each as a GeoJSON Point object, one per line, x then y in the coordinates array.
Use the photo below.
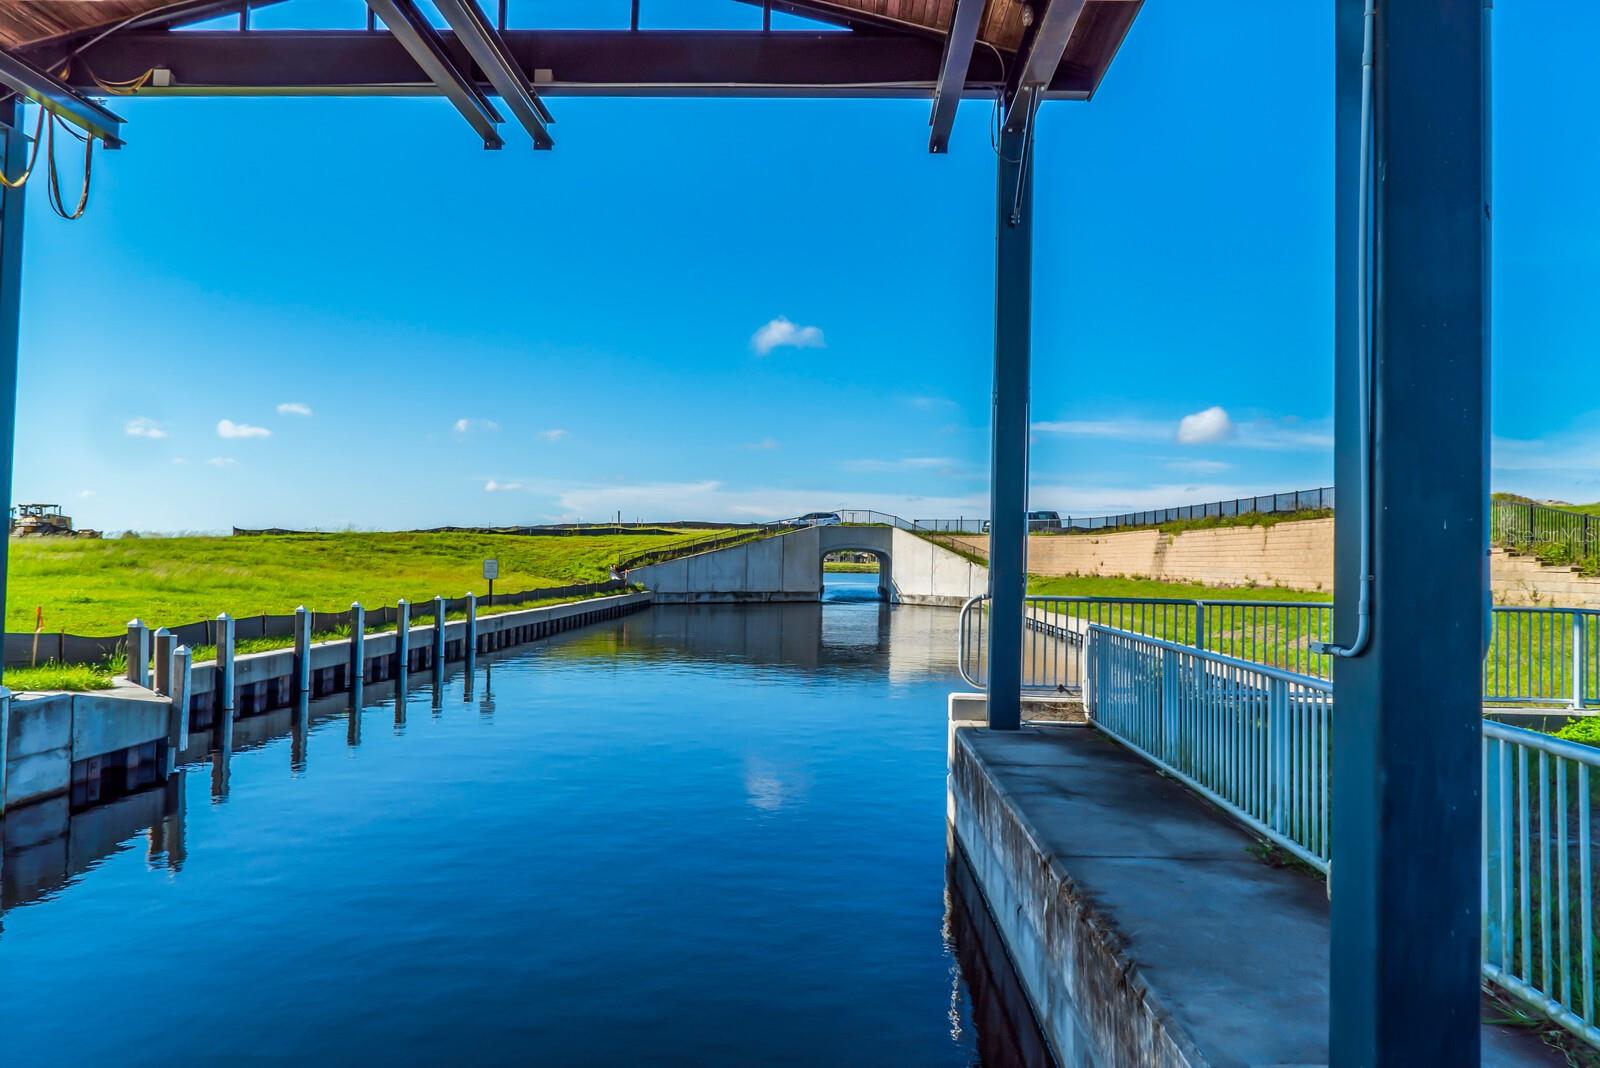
{"type": "Point", "coordinates": [302, 651]}
{"type": "Point", "coordinates": [5, 737]}
{"type": "Point", "coordinates": [1169, 704]}
{"type": "Point", "coordinates": [1580, 663]}
{"type": "Point", "coordinates": [138, 653]}
{"type": "Point", "coordinates": [1199, 624]}
{"type": "Point", "coordinates": [225, 672]}
{"type": "Point", "coordinates": [164, 646]}
{"type": "Point", "coordinates": [1277, 751]}
{"type": "Point", "coordinates": [358, 645]}
{"type": "Point", "coordinates": [438, 637]}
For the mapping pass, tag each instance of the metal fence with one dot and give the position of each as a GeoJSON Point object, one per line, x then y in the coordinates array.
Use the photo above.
{"type": "Point", "coordinates": [1252, 738]}
{"type": "Point", "coordinates": [1257, 741]}
{"type": "Point", "coordinates": [80, 649]}
{"type": "Point", "coordinates": [1538, 872]}
{"type": "Point", "coordinates": [1537, 656]}
{"type": "Point", "coordinates": [1527, 526]}
{"type": "Point", "coordinates": [1311, 500]}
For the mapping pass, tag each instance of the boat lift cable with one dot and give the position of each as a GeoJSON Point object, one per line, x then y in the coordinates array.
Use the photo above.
{"type": "Point", "coordinates": [33, 157]}
{"type": "Point", "coordinates": [1366, 342]}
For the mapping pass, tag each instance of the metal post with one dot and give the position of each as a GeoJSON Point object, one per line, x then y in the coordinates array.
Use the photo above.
{"type": "Point", "coordinates": [13, 158]}
{"type": "Point", "coordinates": [164, 646]}
{"type": "Point", "coordinates": [1580, 664]}
{"type": "Point", "coordinates": [1008, 460]}
{"type": "Point", "coordinates": [226, 643]}
{"type": "Point", "coordinates": [1405, 883]}
{"type": "Point", "coordinates": [471, 640]}
{"type": "Point", "coordinates": [138, 653]}
{"type": "Point", "coordinates": [438, 638]}
{"type": "Point", "coordinates": [358, 646]}
{"type": "Point", "coordinates": [302, 652]}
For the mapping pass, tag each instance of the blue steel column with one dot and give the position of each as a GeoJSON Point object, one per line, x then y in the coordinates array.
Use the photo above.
{"type": "Point", "coordinates": [13, 158]}
{"type": "Point", "coordinates": [1406, 747]}
{"type": "Point", "coordinates": [1008, 459]}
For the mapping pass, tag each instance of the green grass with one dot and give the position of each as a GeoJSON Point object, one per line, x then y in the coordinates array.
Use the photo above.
{"type": "Point", "coordinates": [849, 568]}
{"type": "Point", "coordinates": [1112, 586]}
{"type": "Point", "coordinates": [95, 587]}
{"type": "Point", "coordinates": [54, 676]}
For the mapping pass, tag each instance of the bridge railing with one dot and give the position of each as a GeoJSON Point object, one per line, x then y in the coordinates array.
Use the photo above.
{"type": "Point", "coordinates": [1537, 655]}
{"type": "Point", "coordinates": [1257, 741]}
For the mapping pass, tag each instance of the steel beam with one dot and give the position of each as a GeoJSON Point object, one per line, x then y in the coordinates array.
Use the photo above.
{"type": "Point", "coordinates": [489, 52]}
{"type": "Point", "coordinates": [1008, 456]}
{"type": "Point", "coordinates": [56, 97]}
{"type": "Point", "coordinates": [1406, 756]}
{"type": "Point", "coordinates": [13, 159]}
{"type": "Point", "coordinates": [958, 46]}
{"type": "Point", "coordinates": [423, 43]}
{"type": "Point", "coordinates": [659, 63]}
{"type": "Point", "coordinates": [1039, 58]}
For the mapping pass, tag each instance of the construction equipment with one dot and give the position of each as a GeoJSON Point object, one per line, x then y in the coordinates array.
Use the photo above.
{"type": "Point", "coordinates": [44, 521]}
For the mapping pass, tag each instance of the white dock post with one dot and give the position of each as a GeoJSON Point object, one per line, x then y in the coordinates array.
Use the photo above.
{"type": "Point", "coordinates": [138, 653]}
{"type": "Point", "coordinates": [438, 637]}
{"type": "Point", "coordinates": [471, 646]}
{"type": "Point", "coordinates": [402, 638]}
{"type": "Point", "coordinates": [178, 717]}
{"type": "Point", "coordinates": [302, 651]}
{"type": "Point", "coordinates": [224, 698]}
{"type": "Point", "coordinates": [358, 646]}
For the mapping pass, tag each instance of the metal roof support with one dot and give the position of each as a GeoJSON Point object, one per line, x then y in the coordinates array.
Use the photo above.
{"type": "Point", "coordinates": [1008, 456]}
{"type": "Point", "coordinates": [56, 97]}
{"type": "Point", "coordinates": [1040, 55]}
{"type": "Point", "coordinates": [958, 46]}
{"type": "Point", "coordinates": [420, 39]}
{"type": "Point", "coordinates": [1407, 757]}
{"type": "Point", "coordinates": [13, 160]}
{"type": "Point", "coordinates": [488, 50]}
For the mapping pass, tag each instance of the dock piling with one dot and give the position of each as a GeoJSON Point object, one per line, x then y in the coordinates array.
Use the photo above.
{"type": "Point", "coordinates": [178, 721]}
{"type": "Point", "coordinates": [5, 735]}
{"type": "Point", "coordinates": [225, 702]}
{"type": "Point", "coordinates": [164, 645]}
{"type": "Point", "coordinates": [138, 653]}
{"type": "Point", "coordinates": [302, 651]}
{"type": "Point", "coordinates": [438, 637]}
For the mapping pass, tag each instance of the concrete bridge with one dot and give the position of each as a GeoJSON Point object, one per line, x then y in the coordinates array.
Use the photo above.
{"type": "Point", "coordinates": [788, 567]}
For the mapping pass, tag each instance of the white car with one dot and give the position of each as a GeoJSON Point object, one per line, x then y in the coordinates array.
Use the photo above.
{"type": "Point", "coordinates": [819, 519]}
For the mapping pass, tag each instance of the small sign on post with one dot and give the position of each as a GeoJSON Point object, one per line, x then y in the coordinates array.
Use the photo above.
{"type": "Point", "coordinates": [491, 571]}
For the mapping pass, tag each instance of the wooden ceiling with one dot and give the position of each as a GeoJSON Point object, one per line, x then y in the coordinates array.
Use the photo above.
{"type": "Point", "coordinates": [29, 22]}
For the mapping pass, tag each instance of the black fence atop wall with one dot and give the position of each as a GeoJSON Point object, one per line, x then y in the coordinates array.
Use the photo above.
{"type": "Point", "coordinates": [561, 531]}
{"type": "Point", "coordinates": [81, 649]}
{"type": "Point", "coordinates": [1528, 526]}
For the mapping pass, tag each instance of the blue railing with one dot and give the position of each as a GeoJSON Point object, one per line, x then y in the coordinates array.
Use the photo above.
{"type": "Point", "coordinates": [1537, 656]}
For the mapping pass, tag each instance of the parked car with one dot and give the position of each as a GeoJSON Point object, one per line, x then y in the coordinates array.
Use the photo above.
{"type": "Point", "coordinates": [818, 519]}
{"type": "Point", "coordinates": [1044, 521]}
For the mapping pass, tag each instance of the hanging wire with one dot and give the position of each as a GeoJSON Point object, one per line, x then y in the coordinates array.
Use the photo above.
{"type": "Point", "coordinates": [33, 157]}
{"type": "Point", "coordinates": [53, 186]}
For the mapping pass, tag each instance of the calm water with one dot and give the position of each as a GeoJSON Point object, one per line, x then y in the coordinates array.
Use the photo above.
{"type": "Point", "coordinates": [696, 835]}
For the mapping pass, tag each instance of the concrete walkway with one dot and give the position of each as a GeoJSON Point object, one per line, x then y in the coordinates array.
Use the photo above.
{"type": "Point", "coordinates": [1226, 957]}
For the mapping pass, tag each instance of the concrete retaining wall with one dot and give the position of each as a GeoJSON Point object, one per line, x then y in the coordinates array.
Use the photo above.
{"type": "Point", "coordinates": [55, 740]}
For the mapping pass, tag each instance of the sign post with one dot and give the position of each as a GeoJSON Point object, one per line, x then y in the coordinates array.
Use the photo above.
{"type": "Point", "coordinates": [491, 571]}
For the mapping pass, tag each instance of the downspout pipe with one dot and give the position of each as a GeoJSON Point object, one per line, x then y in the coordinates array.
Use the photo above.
{"type": "Point", "coordinates": [1367, 350]}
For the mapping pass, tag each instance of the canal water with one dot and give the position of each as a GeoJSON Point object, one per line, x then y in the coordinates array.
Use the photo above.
{"type": "Point", "coordinates": [708, 835]}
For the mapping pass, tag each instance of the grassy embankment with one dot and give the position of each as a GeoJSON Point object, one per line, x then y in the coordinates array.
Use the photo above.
{"type": "Point", "coordinates": [847, 567]}
{"type": "Point", "coordinates": [95, 587]}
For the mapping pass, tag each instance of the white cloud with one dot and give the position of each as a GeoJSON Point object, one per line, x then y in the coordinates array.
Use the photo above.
{"type": "Point", "coordinates": [1199, 467]}
{"type": "Point", "coordinates": [294, 408]}
{"type": "Point", "coordinates": [764, 445]}
{"type": "Point", "coordinates": [554, 434]}
{"type": "Point", "coordinates": [1121, 429]}
{"type": "Point", "coordinates": [227, 428]}
{"type": "Point", "coordinates": [466, 426]}
{"type": "Point", "coordinates": [86, 494]}
{"type": "Point", "coordinates": [1205, 427]}
{"type": "Point", "coordinates": [179, 460]}
{"type": "Point", "coordinates": [492, 486]}
{"type": "Point", "coordinates": [908, 463]}
{"type": "Point", "coordinates": [780, 332]}
{"type": "Point", "coordinates": [142, 427]}
{"type": "Point", "coordinates": [222, 461]}
{"type": "Point", "coordinates": [931, 404]}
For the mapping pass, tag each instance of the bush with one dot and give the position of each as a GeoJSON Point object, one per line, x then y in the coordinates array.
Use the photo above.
{"type": "Point", "coordinates": [1584, 730]}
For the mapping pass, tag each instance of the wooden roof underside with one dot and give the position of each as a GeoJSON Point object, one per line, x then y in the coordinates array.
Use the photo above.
{"type": "Point", "coordinates": [29, 22]}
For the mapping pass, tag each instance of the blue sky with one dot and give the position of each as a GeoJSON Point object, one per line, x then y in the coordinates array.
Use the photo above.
{"type": "Point", "coordinates": [506, 337]}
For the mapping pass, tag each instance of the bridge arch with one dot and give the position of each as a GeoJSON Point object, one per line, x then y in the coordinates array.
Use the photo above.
{"type": "Point", "coordinates": [874, 541]}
